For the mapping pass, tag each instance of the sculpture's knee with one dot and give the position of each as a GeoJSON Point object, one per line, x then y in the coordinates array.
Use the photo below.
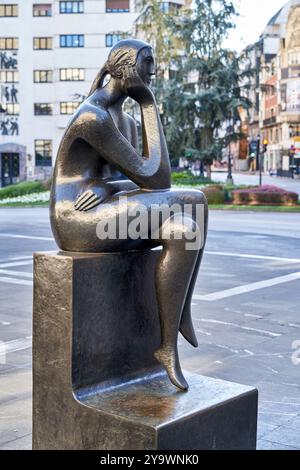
{"type": "Point", "coordinates": [194, 196]}
{"type": "Point", "coordinates": [183, 231]}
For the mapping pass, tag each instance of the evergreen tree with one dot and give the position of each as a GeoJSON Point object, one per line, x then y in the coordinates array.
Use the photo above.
{"type": "Point", "coordinates": [154, 25]}
{"type": "Point", "coordinates": [207, 85]}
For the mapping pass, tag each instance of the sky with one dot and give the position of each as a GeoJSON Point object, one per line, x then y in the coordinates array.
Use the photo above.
{"type": "Point", "coordinates": [254, 16]}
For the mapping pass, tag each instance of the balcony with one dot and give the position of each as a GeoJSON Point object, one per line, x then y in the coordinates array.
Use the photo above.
{"type": "Point", "coordinates": [270, 121]}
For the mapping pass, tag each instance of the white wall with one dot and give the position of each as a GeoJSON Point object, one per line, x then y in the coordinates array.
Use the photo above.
{"type": "Point", "coordinates": [94, 24]}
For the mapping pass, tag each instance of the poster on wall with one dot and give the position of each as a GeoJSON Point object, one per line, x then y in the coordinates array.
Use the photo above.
{"type": "Point", "coordinates": [9, 100]}
{"type": "Point", "coordinates": [293, 96]}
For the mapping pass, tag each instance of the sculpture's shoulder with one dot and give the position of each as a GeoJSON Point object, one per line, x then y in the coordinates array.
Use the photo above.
{"type": "Point", "coordinates": [88, 116]}
{"type": "Point", "coordinates": [91, 110]}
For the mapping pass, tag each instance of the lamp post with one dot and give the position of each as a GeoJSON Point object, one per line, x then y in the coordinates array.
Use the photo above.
{"type": "Point", "coordinates": [229, 130]}
{"type": "Point", "coordinates": [261, 159]}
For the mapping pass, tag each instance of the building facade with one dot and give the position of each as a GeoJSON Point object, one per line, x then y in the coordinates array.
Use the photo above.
{"type": "Point", "coordinates": [275, 93]}
{"type": "Point", "coordinates": [50, 53]}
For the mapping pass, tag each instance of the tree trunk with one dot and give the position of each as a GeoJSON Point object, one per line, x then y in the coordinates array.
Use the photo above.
{"type": "Point", "coordinates": [208, 171]}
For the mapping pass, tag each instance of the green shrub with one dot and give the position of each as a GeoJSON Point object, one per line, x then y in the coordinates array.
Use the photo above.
{"type": "Point", "coordinates": [229, 188]}
{"type": "Point", "coordinates": [21, 189]}
{"type": "Point", "coordinates": [215, 195]}
{"type": "Point", "coordinates": [264, 195]}
{"type": "Point", "coordinates": [187, 178]}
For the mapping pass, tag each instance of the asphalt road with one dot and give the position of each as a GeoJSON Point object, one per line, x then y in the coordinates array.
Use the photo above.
{"type": "Point", "coordinates": [245, 308]}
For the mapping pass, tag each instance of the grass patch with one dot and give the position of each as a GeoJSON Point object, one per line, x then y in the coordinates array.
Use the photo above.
{"type": "Point", "coordinates": [187, 179]}
{"type": "Point", "coordinates": [223, 207]}
{"type": "Point", "coordinates": [21, 189]}
{"type": "Point", "coordinates": [231, 207]}
{"type": "Point", "coordinates": [25, 204]}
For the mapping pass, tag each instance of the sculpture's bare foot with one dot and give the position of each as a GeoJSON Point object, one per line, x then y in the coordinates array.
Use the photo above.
{"type": "Point", "coordinates": [187, 328]}
{"type": "Point", "coordinates": [169, 359]}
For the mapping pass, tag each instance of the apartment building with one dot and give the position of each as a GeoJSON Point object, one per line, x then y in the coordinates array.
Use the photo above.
{"type": "Point", "coordinates": [275, 94]}
{"type": "Point", "coordinates": [50, 52]}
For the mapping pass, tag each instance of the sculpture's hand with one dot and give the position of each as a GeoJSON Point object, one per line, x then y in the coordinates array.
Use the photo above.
{"type": "Point", "coordinates": [87, 201]}
{"type": "Point", "coordinates": [136, 88]}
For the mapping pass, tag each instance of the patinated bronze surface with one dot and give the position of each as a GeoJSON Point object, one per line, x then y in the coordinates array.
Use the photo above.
{"type": "Point", "coordinates": [99, 145]}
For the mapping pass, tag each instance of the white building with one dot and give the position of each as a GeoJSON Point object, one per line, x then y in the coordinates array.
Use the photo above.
{"type": "Point", "coordinates": [50, 52]}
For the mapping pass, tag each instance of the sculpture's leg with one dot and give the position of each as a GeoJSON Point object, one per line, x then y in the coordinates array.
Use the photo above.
{"type": "Point", "coordinates": [186, 325]}
{"type": "Point", "coordinates": [177, 270]}
{"type": "Point", "coordinates": [173, 275]}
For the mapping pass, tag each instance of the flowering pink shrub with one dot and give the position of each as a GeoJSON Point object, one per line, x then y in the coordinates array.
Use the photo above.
{"type": "Point", "coordinates": [264, 195]}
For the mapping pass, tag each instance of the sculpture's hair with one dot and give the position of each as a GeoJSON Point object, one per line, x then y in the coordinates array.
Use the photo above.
{"type": "Point", "coordinates": [123, 54]}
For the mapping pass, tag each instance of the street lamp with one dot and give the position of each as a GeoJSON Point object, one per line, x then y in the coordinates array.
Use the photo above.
{"type": "Point", "coordinates": [230, 130]}
{"type": "Point", "coordinates": [262, 154]}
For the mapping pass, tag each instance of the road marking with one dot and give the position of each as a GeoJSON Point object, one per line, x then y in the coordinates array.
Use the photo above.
{"type": "Point", "coordinates": [15, 345]}
{"type": "Point", "coordinates": [21, 282]}
{"type": "Point", "coordinates": [248, 288]}
{"type": "Point", "coordinates": [235, 325]}
{"type": "Point", "coordinates": [15, 264]}
{"type": "Point", "coordinates": [219, 274]}
{"type": "Point", "coordinates": [258, 317]}
{"type": "Point", "coordinates": [16, 273]}
{"type": "Point", "coordinates": [16, 258]}
{"type": "Point", "coordinates": [244, 255]}
{"type": "Point", "coordinates": [29, 237]}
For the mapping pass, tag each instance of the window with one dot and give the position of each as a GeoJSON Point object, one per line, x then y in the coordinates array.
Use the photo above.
{"type": "Point", "coordinates": [8, 10]}
{"type": "Point", "coordinates": [43, 152]}
{"type": "Point", "coordinates": [112, 39]}
{"type": "Point", "coordinates": [71, 40]}
{"type": "Point", "coordinates": [42, 9]}
{"type": "Point", "coordinates": [43, 109]}
{"type": "Point", "coordinates": [42, 76]}
{"type": "Point", "coordinates": [42, 43]}
{"type": "Point", "coordinates": [68, 107]}
{"type": "Point", "coordinates": [169, 7]}
{"type": "Point", "coordinates": [117, 6]}
{"type": "Point", "coordinates": [74, 75]}
{"type": "Point", "coordinates": [9, 44]}
{"type": "Point", "coordinates": [71, 7]}
{"type": "Point", "coordinates": [12, 109]}
{"type": "Point", "coordinates": [9, 76]}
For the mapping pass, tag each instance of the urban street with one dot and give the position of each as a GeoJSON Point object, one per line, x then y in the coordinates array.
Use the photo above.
{"type": "Point", "coordinates": [245, 310]}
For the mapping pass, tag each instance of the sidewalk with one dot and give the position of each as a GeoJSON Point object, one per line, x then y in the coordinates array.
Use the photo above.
{"type": "Point", "coordinates": [248, 178]}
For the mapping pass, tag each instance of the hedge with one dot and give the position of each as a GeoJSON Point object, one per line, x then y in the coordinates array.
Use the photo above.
{"type": "Point", "coordinates": [187, 178]}
{"type": "Point", "coordinates": [264, 195]}
{"type": "Point", "coordinates": [215, 194]}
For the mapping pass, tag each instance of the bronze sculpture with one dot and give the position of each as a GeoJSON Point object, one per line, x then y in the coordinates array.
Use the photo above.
{"type": "Point", "coordinates": [101, 141]}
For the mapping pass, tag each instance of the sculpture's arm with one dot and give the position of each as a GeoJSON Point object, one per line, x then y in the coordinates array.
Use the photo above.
{"type": "Point", "coordinates": [153, 135]}
{"type": "Point", "coordinates": [150, 121]}
{"type": "Point", "coordinates": [134, 132]}
{"type": "Point", "coordinates": [98, 130]}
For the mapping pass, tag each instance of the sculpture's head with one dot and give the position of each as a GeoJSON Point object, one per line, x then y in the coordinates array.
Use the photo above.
{"type": "Point", "coordinates": [125, 55]}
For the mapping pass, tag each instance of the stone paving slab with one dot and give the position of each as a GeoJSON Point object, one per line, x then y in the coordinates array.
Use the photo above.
{"type": "Point", "coordinates": [245, 339]}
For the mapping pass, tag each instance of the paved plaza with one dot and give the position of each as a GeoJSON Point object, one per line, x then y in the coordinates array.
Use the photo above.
{"type": "Point", "coordinates": [245, 308]}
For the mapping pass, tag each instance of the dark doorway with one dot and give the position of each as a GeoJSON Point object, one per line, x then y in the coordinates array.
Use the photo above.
{"type": "Point", "coordinates": [10, 168]}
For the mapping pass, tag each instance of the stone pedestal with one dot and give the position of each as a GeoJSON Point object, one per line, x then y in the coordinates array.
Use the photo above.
{"type": "Point", "coordinates": [96, 384]}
